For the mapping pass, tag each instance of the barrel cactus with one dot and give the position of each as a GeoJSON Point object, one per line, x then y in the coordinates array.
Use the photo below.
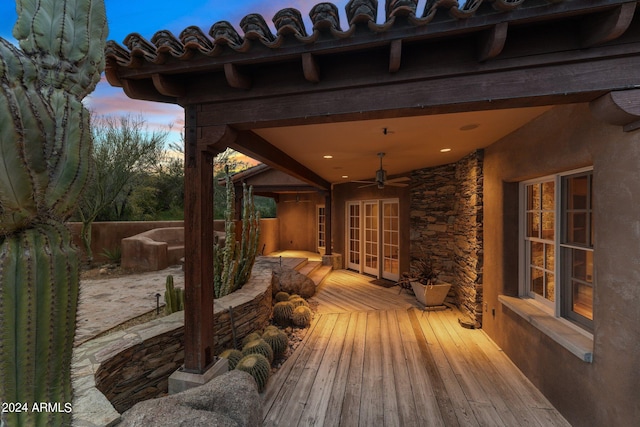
{"type": "Point", "coordinates": [251, 337]}
{"type": "Point", "coordinates": [301, 316]}
{"type": "Point", "coordinates": [282, 313]}
{"type": "Point", "coordinates": [297, 302]}
{"type": "Point", "coordinates": [258, 346]}
{"type": "Point", "coordinates": [258, 367]}
{"type": "Point", "coordinates": [277, 339]}
{"type": "Point", "coordinates": [45, 141]}
{"type": "Point", "coordinates": [281, 296]}
{"type": "Point", "coordinates": [233, 356]}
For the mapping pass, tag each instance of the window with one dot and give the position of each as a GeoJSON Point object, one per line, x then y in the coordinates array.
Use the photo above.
{"type": "Point", "coordinates": [558, 245]}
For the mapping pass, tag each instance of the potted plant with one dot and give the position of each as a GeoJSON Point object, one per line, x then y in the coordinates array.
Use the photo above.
{"type": "Point", "coordinates": [424, 282]}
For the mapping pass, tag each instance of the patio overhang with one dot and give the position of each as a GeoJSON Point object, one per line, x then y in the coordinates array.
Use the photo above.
{"type": "Point", "coordinates": [252, 92]}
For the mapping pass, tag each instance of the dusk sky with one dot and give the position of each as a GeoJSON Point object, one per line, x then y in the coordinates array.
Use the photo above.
{"type": "Point", "coordinates": [146, 17]}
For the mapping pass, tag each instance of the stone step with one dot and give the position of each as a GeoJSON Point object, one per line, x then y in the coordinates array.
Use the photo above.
{"type": "Point", "coordinates": [320, 273]}
{"type": "Point", "coordinates": [307, 268]}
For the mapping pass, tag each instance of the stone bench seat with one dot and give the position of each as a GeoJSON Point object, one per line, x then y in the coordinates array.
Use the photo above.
{"type": "Point", "coordinates": [153, 250]}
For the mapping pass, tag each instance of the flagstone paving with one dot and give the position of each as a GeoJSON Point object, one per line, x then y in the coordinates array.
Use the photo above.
{"type": "Point", "coordinates": [110, 301]}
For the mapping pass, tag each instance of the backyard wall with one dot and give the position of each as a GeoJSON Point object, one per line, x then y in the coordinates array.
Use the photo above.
{"type": "Point", "coordinates": [108, 235]}
{"type": "Point", "coordinates": [604, 392]}
{"type": "Point", "coordinates": [446, 226]}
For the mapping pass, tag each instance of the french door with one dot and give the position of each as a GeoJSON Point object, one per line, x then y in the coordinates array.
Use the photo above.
{"type": "Point", "coordinates": [373, 237]}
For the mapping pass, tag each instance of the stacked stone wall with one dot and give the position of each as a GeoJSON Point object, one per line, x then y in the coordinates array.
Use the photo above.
{"type": "Point", "coordinates": [136, 365]}
{"type": "Point", "coordinates": [446, 226]}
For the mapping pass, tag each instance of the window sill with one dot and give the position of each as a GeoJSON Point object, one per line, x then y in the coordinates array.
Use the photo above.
{"type": "Point", "coordinates": [556, 329]}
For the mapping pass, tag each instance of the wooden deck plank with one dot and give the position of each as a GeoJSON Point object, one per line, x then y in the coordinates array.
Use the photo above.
{"type": "Point", "coordinates": [371, 359]}
{"type": "Point", "coordinates": [318, 398]}
{"type": "Point", "coordinates": [427, 408]}
{"type": "Point", "coordinates": [336, 399]}
{"type": "Point", "coordinates": [307, 375]}
{"type": "Point", "coordinates": [288, 385]}
{"type": "Point", "coordinates": [403, 388]}
{"type": "Point", "coordinates": [371, 402]}
{"type": "Point", "coordinates": [390, 396]}
{"type": "Point", "coordinates": [275, 386]}
{"type": "Point", "coordinates": [350, 412]}
{"type": "Point", "coordinates": [452, 401]}
{"type": "Point", "coordinates": [455, 354]}
{"type": "Point", "coordinates": [507, 403]}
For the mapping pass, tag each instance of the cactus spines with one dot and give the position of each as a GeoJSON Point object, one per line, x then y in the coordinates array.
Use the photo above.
{"type": "Point", "coordinates": [233, 356]}
{"type": "Point", "coordinates": [282, 296]}
{"type": "Point", "coordinates": [258, 367]}
{"type": "Point", "coordinates": [301, 316]}
{"type": "Point", "coordinates": [173, 297]}
{"type": "Point", "coordinates": [297, 302]}
{"type": "Point", "coordinates": [282, 313]}
{"type": "Point", "coordinates": [45, 141]}
{"type": "Point", "coordinates": [233, 262]}
{"type": "Point", "coordinates": [258, 346]}
{"type": "Point", "coordinates": [251, 337]}
{"type": "Point", "coordinates": [277, 339]}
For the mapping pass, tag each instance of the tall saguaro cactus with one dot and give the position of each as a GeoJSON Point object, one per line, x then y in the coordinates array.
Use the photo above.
{"type": "Point", "coordinates": [45, 148]}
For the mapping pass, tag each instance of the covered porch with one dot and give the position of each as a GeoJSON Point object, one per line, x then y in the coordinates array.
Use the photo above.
{"type": "Point", "coordinates": [373, 358]}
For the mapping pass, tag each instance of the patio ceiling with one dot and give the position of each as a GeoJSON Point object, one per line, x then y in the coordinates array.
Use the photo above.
{"type": "Point", "coordinates": [409, 142]}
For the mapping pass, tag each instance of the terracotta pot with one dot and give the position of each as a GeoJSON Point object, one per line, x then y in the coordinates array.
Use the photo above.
{"type": "Point", "coordinates": [430, 295]}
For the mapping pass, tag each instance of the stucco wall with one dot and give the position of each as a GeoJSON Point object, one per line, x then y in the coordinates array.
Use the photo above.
{"type": "Point", "coordinates": [606, 391]}
{"type": "Point", "coordinates": [108, 235]}
{"type": "Point", "coordinates": [298, 226]}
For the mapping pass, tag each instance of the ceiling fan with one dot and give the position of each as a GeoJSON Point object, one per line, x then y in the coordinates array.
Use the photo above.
{"type": "Point", "coordinates": [381, 178]}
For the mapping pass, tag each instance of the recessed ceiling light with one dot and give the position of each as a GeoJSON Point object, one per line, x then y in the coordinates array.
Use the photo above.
{"type": "Point", "coordinates": [445, 150]}
{"type": "Point", "coordinates": [328, 156]}
{"type": "Point", "coordinates": [470, 126]}
{"type": "Point", "coordinates": [345, 176]}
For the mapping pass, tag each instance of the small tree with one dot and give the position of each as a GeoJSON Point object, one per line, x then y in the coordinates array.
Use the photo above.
{"type": "Point", "coordinates": [124, 148]}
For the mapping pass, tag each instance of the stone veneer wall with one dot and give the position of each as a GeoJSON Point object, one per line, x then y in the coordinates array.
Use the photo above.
{"type": "Point", "coordinates": [446, 225]}
{"type": "Point", "coordinates": [137, 367]}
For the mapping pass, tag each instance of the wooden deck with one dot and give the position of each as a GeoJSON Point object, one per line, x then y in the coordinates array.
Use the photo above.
{"type": "Point", "coordinates": [371, 358]}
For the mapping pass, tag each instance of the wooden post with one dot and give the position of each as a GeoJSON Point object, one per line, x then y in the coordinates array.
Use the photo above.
{"type": "Point", "coordinates": [198, 232]}
{"type": "Point", "coordinates": [327, 224]}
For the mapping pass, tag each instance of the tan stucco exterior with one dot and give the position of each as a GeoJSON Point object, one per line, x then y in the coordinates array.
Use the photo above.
{"type": "Point", "coordinates": [604, 392]}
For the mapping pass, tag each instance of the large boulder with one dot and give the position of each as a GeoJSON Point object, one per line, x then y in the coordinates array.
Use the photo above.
{"type": "Point", "coordinates": [230, 400]}
{"type": "Point", "coordinates": [293, 282]}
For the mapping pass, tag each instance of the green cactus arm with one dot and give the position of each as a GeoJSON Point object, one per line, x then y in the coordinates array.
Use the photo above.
{"type": "Point", "coordinates": [68, 40]}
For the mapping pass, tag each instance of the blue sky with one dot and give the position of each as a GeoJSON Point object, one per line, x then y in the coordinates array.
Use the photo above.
{"type": "Point", "coordinates": [147, 16]}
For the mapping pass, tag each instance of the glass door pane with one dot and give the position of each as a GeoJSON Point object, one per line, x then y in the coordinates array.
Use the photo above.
{"type": "Point", "coordinates": [371, 231]}
{"type": "Point", "coordinates": [390, 240]}
{"type": "Point", "coordinates": [353, 236]}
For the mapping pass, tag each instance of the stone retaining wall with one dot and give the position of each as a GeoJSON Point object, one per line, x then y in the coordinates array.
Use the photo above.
{"type": "Point", "coordinates": [134, 365]}
{"type": "Point", "coordinates": [446, 225]}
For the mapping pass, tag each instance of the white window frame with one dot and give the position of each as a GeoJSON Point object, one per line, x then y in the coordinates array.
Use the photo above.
{"type": "Point", "coordinates": [554, 308]}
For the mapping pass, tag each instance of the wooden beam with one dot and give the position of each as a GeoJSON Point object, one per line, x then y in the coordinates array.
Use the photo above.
{"type": "Point", "coordinates": [168, 86]}
{"type": "Point", "coordinates": [620, 108]}
{"type": "Point", "coordinates": [606, 26]}
{"type": "Point", "coordinates": [262, 150]}
{"type": "Point", "coordinates": [492, 42]}
{"type": "Point", "coordinates": [198, 229]}
{"type": "Point", "coordinates": [559, 83]}
{"type": "Point", "coordinates": [395, 56]}
{"type": "Point", "coordinates": [310, 68]}
{"type": "Point", "coordinates": [144, 89]}
{"type": "Point", "coordinates": [235, 78]}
